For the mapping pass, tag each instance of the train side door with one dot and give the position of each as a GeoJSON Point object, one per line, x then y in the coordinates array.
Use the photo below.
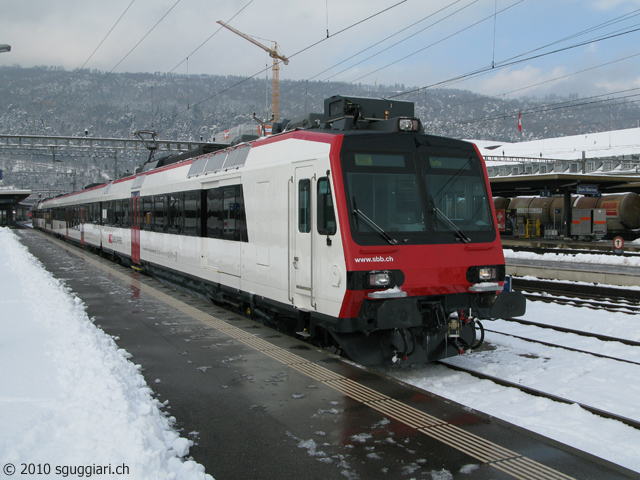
{"type": "Point", "coordinates": [301, 237]}
{"type": "Point", "coordinates": [135, 227]}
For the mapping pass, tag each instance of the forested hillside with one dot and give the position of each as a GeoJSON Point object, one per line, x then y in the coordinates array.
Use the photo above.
{"type": "Point", "coordinates": [52, 101]}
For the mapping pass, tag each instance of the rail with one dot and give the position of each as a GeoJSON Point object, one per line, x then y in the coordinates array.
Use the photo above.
{"type": "Point", "coordinates": [539, 393]}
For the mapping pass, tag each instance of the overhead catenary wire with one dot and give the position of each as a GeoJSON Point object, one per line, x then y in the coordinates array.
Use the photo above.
{"type": "Point", "coordinates": [599, 26]}
{"type": "Point", "coordinates": [398, 32]}
{"type": "Point", "coordinates": [436, 43]}
{"type": "Point", "coordinates": [594, 28]}
{"type": "Point", "coordinates": [567, 104]}
{"type": "Point", "coordinates": [348, 27]}
{"type": "Point", "coordinates": [78, 70]}
{"type": "Point", "coordinates": [450, 81]}
{"type": "Point", "coordinates": [398, 42]}
{"type": "Point", "coordinates": [514, 62]}
{"type": "Point", "coordinates": [488, 69]}
{"type": "Point", "coordinates": [477, 72]}
{"type": "Point", "coordinates": [220, 92]}
{"type": "Point", "coordinates": [186, 59]}
{"type": "Point", "coordinates": [326, 4]}
{"type": "Point", "coordinates": [210, 37]}
{"type": "Point", "coordinates": [537, 84]}
{"type": "Point", "coordinates": [132, 49]}
{"type": "Point", "coordinates": [495, 23]}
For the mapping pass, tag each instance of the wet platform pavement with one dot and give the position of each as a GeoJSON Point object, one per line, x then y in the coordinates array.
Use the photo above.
{"type": "Point", "coordinates": [261, 405]}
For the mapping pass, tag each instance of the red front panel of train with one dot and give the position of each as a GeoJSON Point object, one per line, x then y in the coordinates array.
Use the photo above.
{"type": "Point", "coordinates": [417, 207]}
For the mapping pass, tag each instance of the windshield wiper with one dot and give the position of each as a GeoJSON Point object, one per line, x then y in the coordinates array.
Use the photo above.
{"type": "Point", "coordinates": [373, 225]}
{"type": "Point", "coordinates": [459, 233]}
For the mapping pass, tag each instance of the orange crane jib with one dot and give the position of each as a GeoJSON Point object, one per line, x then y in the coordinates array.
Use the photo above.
{"type": "Point", "coordinates": [273, 53]}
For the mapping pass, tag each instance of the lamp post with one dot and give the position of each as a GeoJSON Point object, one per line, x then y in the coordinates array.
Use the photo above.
{"type": "Point", "coordinates": [4, 48]}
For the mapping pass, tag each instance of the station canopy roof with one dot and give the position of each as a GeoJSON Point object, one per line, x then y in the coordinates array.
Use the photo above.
{"type": "Point", "coordinates": [11, 196]}
{"type": "Point", "coordinates": [562, 183]}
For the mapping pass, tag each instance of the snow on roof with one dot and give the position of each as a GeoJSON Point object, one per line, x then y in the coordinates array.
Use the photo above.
{"type": "Point", "coordinates": [616, 143]}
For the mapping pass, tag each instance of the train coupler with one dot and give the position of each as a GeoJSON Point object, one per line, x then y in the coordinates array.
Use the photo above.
{"type": "Point", "coordinates": [454, 325]}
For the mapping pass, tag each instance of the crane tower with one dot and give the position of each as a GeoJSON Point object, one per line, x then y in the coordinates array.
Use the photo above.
{"type": "Point", "coordinates": [273, 53]}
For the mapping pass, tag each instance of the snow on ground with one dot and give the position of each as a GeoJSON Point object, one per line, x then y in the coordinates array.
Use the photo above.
{"type": "Point", "coordinates": [568, 424]}
{"type": "Point", "coordinates": [69, 397]}
{"type": "Point", "coordinates": [70, 400]}
{"type": "Point", "coordinates": [597, 259]}
{"type": "Point", "coordinates": [597, 382]}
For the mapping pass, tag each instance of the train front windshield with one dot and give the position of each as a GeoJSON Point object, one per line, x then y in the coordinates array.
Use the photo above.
{"type": "Point", "coordinates": [399, 191]}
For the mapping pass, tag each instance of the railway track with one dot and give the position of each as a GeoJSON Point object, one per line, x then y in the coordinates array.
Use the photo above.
{"type": "Point", "coordinates": [582, 333]}
{"type": "Point", "coordinates": [595, 304]}
{"type": "Point", "coordinates": [571, 293]}
{"type": "Point", "coordinates": [579, 295]}
{"type": "Point", "coordinates": [596, 336]}
{"type": "Point", "coordinates": [594, 250]}
{"type": "Point", "coordinates": [539, 393]}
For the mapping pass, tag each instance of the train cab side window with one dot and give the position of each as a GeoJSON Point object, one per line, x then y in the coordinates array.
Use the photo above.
{"type": "Point", "coordinates": [326, 213]}
{"type": "Point", "coordinates": [304, 205]}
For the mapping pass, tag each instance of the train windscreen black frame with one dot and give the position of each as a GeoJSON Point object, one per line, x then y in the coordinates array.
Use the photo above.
{"type": "Point", "coordinates": [415, 189]}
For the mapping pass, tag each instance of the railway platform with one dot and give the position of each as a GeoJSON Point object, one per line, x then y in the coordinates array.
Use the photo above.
{"type": "Point", "coordinates": [577, 270]}
{"type": "Point", "coordinates": [601, 274]}
{"type": "Point", "coordinates": [600, 246]}
{"type": "Point", "coordinates": [261, 405]}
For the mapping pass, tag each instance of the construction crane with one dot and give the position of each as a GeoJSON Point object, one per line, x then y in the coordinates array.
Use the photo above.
{"type": "Point", "coordinates": [273, 53]}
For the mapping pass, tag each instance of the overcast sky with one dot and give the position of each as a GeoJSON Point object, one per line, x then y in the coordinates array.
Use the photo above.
{"type": "Point", "coordinates": [415, 43]}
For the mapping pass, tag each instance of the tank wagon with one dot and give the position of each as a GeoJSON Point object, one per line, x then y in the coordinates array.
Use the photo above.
{"type": "Point", "coordinates": [353, 229]}
{"type": "Point", "coordinates": [622, 211]}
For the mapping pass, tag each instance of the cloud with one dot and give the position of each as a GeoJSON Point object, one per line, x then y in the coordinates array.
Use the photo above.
{"type": "Point", "coordinates": [65, 32]}
{"type": "Point", "coordinates": [521, 82]}
{"type": "Point", "coordinates": [605, 5]}
{"type": "Point", "coordinates": [618, 85]}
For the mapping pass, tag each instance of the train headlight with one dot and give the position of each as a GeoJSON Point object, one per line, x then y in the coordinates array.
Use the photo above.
{"type": "Point", "coordinates": [486, 273]}
{"type": "Point", "coordinates": [485, 279]}
{"type": "Point", "coordinates": [377, 279]}
{"type": "Point", "coordinates": [405, 124]}
{"type": "Point", "coordinates": [408, 125]}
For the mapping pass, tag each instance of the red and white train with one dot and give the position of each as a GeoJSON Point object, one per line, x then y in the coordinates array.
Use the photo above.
{"type": "Point", "coordinates": [353, 229]}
